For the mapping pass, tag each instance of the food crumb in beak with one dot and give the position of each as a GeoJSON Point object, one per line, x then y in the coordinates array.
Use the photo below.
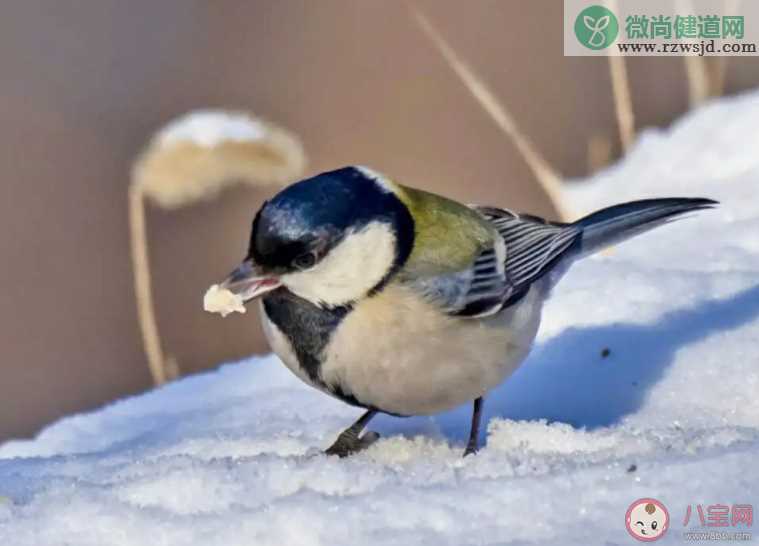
{"type": "Point", "coordinates": [223, 301]}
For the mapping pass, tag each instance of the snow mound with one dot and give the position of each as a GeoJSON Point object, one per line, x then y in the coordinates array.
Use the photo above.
{"type": "Point", "coordinates": [643, 383]}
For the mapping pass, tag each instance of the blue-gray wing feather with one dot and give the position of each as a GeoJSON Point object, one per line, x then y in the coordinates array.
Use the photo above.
{"type": "Point", "coordinates": [533, 247]}
{"type": "Point", "coordinates": [475, 291]}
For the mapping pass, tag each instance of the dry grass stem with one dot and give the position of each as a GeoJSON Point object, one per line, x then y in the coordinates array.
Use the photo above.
{"type": "Point", "coordinates": [600, 151]}
{"type": "Point", "coordinates": [198, 155]}
{"type": "Point", "coordinates": [623, 108]}
{"type": "Point", "coordinates": [191, 159]}
{"type": "Point", "coordinates": [546, 176]}
{"type": "Point", "coordinates": [718, 74]}
{"type": "Point", "coordinates": [696, 69]}
{"type": "Point", "coordinates": [697, 73]}
{"type": "Point", "coordinates": [620, 85]}
{"type": "Point", "coordinates": [151, 341]}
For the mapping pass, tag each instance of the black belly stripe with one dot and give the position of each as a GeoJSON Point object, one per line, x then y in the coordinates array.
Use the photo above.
{"type": "Point", "coordinates": [308, 328]}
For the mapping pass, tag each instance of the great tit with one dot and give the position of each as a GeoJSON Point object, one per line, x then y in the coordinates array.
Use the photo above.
{"type": "Point", "coordinates": [404, 302]}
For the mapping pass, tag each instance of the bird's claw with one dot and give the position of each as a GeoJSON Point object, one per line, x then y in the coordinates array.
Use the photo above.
{"type": "Point", "coordinates": [349, 444]}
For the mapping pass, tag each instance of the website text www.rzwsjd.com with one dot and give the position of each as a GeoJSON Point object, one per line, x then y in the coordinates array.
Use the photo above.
{"type": "Point", "coordinates": [701, 48]}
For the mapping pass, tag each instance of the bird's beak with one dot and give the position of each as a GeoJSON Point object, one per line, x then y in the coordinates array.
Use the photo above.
{"type": "Point", "coordinates": [248, 283]}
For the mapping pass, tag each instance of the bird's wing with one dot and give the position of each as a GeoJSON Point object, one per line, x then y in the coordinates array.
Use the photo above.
{"type": "Point", "coordinates": [524, 249]}
{"type": "Point", "coordinates": [458, 258]}
{"type": "Point", "coordinates": [533, 245]}
{"type": "Point", "coordinates": [477, 289]}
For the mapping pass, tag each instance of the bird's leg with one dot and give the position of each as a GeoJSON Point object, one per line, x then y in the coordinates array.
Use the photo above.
{"type": "Point", "coordinates": [474, 433]}
{"type": "Point", "coordinates": [349, 442]}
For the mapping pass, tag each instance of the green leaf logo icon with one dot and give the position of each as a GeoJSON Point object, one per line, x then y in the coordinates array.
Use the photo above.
{"type": "Point", "coordinates": [596, 27]}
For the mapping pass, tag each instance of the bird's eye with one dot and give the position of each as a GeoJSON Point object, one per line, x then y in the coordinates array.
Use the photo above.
{"type": "Point", "coordinates": [654, 525]}
{"type": "Point", "coordinates": [305, 261]}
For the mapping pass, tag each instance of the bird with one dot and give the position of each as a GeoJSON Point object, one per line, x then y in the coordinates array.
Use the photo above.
{"type": "Point", "coordinates": [404, 302]}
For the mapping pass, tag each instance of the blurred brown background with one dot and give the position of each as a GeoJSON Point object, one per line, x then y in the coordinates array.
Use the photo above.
{"type": "Point", "coordinates": [85, 83]}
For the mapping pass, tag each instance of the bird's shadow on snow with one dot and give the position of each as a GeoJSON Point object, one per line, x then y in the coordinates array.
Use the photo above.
{"type": "Point", "coordinates": [570, 378]}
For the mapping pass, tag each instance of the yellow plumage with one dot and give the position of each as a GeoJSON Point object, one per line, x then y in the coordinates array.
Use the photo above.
{"type": "Point", "coordinates": [448, 235]}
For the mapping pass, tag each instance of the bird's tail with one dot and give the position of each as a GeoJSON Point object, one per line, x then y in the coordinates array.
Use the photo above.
{"type": "Point", "coordinates": [614, 224]}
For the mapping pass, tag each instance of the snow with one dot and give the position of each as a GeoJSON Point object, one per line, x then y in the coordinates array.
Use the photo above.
{"type": "Point", "coordinates": [670, 411]}
{"type": "Point", "coordinates": [208, 128]}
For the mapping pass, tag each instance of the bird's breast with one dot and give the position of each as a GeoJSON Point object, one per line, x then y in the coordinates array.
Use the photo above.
{"type": "Point", "coordinates": [298, 333]}
{"type": "Point", "coordinates": [400, 354]}
{"type": "Point", "coordinates": [396, 352]}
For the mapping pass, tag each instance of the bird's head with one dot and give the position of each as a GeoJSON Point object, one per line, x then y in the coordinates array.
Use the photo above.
{"type": "Point", "coordinates": [331, 239]}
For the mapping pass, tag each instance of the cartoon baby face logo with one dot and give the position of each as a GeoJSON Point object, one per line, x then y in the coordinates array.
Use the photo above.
{"type": "Point", "coordinates": [647, 520]}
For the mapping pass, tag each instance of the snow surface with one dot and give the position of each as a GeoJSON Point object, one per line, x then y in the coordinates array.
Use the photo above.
{"type": "Point", "coordinates": [208, 128]}
{"type": "Point", "coordinates": [232, 457]}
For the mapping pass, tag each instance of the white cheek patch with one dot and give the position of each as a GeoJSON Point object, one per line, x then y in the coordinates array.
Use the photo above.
{"type": "Point", "coordinates": [350, 270]}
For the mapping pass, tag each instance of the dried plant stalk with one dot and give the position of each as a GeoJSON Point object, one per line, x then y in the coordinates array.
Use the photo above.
{"type": "Point", "coordinates": [698, 80]}
{"type": "Point", "coordinates": [696, 69]}
{"type": "Point", "coordinates": [599, 152]}
{"type": "Point", "coordinates": [142, 286]}
{"type": "Point", "coordinates": [718, 74]}
{"type": "Point", "coordinates": [620, 86]}
{"type": "Point", "coordinates": [546, 176]}
{"type": "Point", "coordinates": [193, 158]}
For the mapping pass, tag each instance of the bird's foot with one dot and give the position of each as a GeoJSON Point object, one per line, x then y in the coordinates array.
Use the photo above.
{"type": "Point", "coordinates": [471, 449]}
{"type": "Point", "coordinates": [349, 443]}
